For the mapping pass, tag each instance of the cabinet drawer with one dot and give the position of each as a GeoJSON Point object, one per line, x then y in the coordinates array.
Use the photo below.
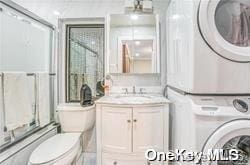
{"type": "Point", "coordinates": [129, 161]}
{"type": "Point", "coordinates": [108, 161]}
{"type": "Point", "coordinates": [121, 159]}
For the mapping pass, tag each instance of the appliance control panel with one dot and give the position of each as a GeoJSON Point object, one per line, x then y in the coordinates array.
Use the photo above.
{"type": "Point", "coordinates": [222, 105]}
{"type": "Point", "coordinates": [240, 105]}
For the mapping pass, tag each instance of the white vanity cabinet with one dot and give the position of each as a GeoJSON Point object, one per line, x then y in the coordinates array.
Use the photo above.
{"type": "Point", "coordinates": [125, 132]}
{"type": "Point", "coordinates": [116, 126]}
{"type": "Point", "coordinates": [148, 129]}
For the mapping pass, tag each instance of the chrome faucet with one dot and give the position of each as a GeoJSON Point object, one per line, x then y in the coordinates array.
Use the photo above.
{"type": "Point", "coordinates": [126, 90]}
{"type": "Point", "coordinates": [141, 90]}
{"type": "Point", "coordinates": [134, 92]}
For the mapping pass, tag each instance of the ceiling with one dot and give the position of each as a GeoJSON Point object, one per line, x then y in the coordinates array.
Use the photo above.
{"type": "Point", "coordinates": [81, 8]}
{"type": "Point", "coordinates": [156, 3]}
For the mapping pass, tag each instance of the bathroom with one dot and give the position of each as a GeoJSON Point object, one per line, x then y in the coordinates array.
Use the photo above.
{"type": "Point", "coordinates": [120, 82]}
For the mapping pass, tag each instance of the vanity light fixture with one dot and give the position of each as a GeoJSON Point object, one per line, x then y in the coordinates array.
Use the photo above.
{"type": "Point", "coordinates": [138, 6]}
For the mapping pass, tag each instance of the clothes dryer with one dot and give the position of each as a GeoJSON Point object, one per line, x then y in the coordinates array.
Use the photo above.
{"type": "Point", "coordinates": [209, 46]}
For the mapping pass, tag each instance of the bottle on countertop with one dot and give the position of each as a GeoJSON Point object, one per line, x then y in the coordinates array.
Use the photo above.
{"type": "Point", "coordinates": [86, 96]}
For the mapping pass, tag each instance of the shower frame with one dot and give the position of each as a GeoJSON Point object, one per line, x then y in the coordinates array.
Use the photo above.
{"type": "Point", "coordinates": [52, 69]}
{"type": "Point", "coordinates": [67, 54]}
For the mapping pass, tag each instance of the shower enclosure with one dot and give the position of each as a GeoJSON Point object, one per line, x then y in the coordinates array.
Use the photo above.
{"type": "Point", "coordinates": [26, 46]}
{"type": "Point", "coordinates": [84, 56]}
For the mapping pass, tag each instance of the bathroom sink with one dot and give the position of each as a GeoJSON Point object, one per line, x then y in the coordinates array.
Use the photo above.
{"type": "Point", "coordinates": [135, 97]}
{"type": "Point", "coordinates": [132, 99]}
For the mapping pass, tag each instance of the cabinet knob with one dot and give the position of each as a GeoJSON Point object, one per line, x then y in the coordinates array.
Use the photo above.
{"type": "Point", "coordinates": [135, 120]}
{"type": "Point", "coordinates": [129, 121]}
{"type": "Point", "coordinates": [115, 163]}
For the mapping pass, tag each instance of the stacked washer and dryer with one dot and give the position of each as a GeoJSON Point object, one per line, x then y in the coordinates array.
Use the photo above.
{"type": "Point", "coordinates": [209, 75]}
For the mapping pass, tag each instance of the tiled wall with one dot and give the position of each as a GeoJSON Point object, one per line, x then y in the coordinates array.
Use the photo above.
{"type": "Point", "coordinates": [85, 65]}
{"type": "Point", "coordinates": [100, 8]}
{"type": "Point", "coordinates": [80, 8]}
{"type": "Point", "coordinates": [136, 79]}
{"type": "Point", "coordinates": [97, 8]}
{"type": "Point", "coordinates": [71, 8]}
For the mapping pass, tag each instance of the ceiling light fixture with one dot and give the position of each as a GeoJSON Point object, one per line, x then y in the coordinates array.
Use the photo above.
{"type": "Point", "coordinates": [56, 13]}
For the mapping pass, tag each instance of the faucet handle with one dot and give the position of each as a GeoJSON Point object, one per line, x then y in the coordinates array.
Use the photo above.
{"type": "Point", "coordinates": [142, 89]}
{"type": "Point", "coordinates": [126, 90]}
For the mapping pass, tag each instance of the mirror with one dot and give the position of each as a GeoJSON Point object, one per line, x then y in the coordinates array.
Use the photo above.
{"type": "Point", "coordinates": [133, 44]}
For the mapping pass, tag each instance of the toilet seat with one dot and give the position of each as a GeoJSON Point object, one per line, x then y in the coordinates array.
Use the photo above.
{"type": "Point", "coordinates": [61, 146]}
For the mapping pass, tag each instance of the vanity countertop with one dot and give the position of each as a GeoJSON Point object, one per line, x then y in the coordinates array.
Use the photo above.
{"type": "Point", "coordinates": [133, 99]}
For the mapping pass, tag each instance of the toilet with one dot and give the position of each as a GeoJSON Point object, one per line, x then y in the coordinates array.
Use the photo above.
{"type": "Point", "coordinates": [65, 148]}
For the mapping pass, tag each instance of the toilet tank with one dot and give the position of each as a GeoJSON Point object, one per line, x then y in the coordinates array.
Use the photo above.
{"type": "Point", "coordinates": [75, 118]}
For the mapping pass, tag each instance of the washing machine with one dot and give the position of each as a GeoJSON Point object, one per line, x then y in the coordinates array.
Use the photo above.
{"type": "Point", "coordinates": [209, 46]}
{"type": "Point", "coordinates": [200, 123]}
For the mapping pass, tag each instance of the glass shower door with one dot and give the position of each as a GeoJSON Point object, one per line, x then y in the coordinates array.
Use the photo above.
{"type": "Point", "coordinates": [85, 52]}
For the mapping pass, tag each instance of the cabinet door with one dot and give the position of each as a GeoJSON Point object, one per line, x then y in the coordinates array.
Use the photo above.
{"type": "Point", "coordinates": [116, 129]}
{"type": "Point", "coordinates": [148, 130]}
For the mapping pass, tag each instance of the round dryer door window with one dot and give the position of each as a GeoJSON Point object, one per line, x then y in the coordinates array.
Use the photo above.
{"type": "Point", "coordinates": [225, 26]}
{"type": "Point", "coordinates": [233, 135]}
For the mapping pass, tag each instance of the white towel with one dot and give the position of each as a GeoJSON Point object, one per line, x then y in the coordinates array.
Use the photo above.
{"type": "Point", "coordinates": [17, 100]}
{"type": "Point", "coordinates": [43, 100]}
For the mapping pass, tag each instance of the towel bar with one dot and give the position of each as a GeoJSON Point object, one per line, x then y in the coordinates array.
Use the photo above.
{"type": "Point", "coordinates": [30, 74]}
{"type": "Point", "coordinates": [2, 95]}
{"type": "Point", "coordinates": [2, 86]}
{"type": "Point", "coordinates": [52, 74]}
{"type": "Point", "coordinates": [33, 74]}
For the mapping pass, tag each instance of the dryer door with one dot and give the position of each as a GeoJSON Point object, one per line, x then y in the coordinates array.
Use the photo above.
{"type": "Point", "coordinates": [232, 135]}
{"type": "Point", "coordinates": [225, 26]}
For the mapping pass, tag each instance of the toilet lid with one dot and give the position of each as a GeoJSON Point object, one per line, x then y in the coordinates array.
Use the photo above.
{"type": "Point", "coordinates": [54, 147]}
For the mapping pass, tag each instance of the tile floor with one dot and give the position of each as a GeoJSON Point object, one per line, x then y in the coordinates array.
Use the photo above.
{"type": "Point", "coordinates": [89, 159]}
